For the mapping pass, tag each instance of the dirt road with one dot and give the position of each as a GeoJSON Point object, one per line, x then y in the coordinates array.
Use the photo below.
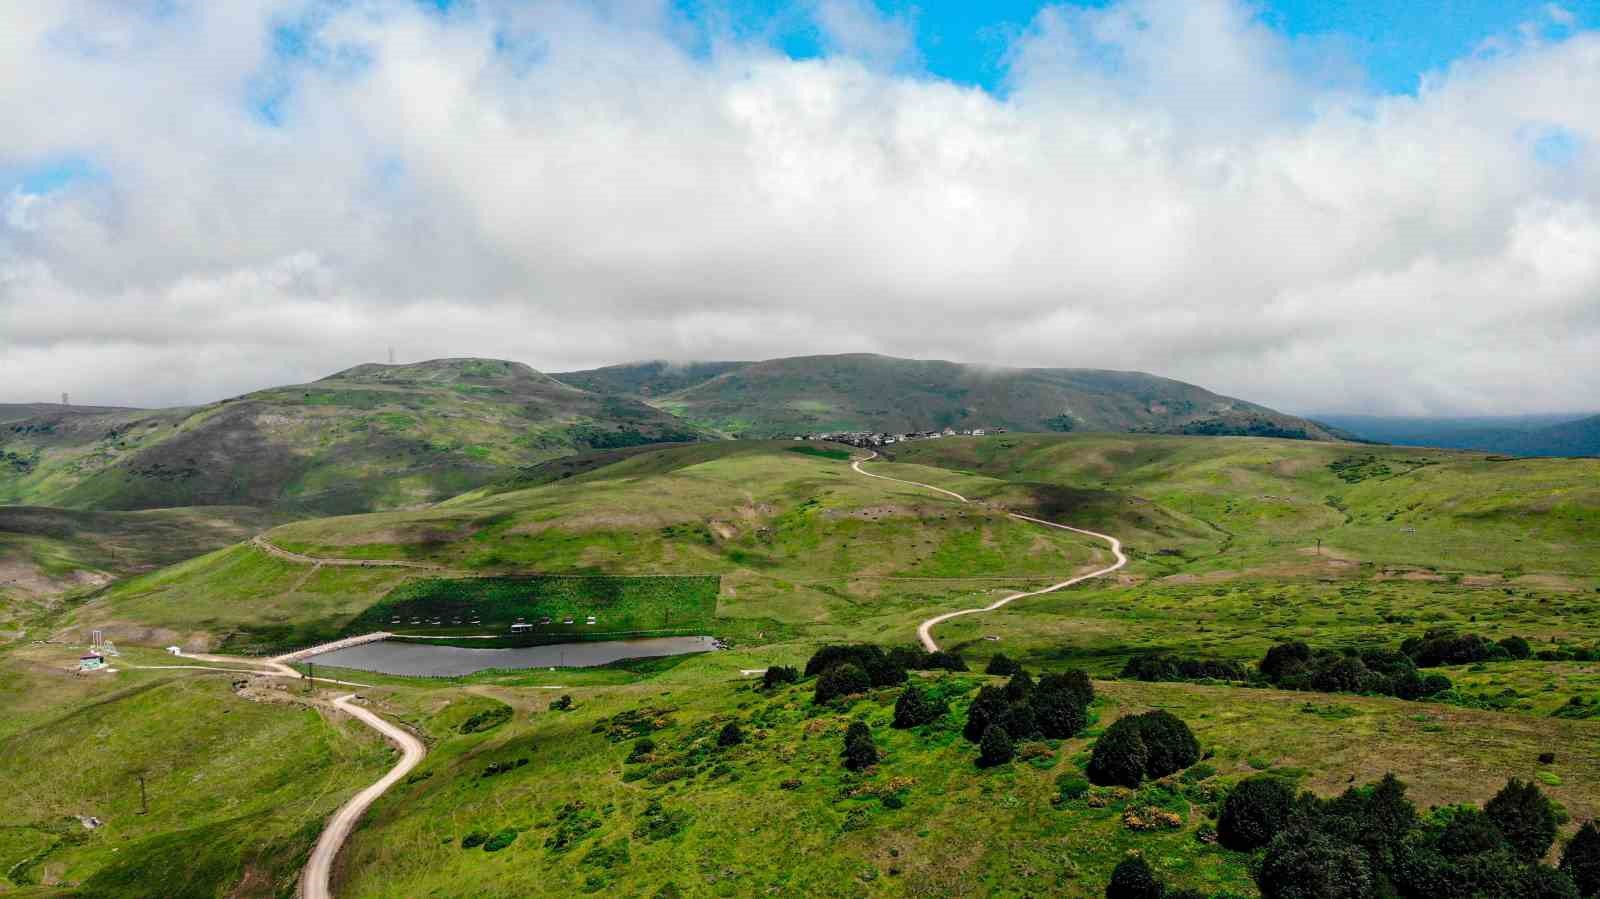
{"type": "Point", "coordinates": [925, 629]}
{"type": "Point", "coordinates": [314, 880]}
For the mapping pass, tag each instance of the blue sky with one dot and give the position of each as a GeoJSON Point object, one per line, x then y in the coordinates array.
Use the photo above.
{"type": "Point", "coordinates": [1395, 41]}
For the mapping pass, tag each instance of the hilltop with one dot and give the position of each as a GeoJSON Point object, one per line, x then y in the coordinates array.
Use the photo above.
{"type": "Point", "coordinates": [1540, 435]}
{"type": "Point", "coordinates": [865, 392]}
{"type": "Point", "coordinates": [371, 437]}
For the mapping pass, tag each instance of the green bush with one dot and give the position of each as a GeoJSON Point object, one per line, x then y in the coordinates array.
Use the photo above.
{"type": "Point", "coordinates": [641, 750]}
{"type": "Point", "coordinates": [1580, 860]}
{"type": "Point", "coordinates": [778, 675]}
{"type": "Point", "coordinates": [1002, 665]}
{"type": "Point", "coordinates": [1172, 745]}
{"type": "Point", "coordinates": [868, 658]}
{"type": "Point", "coordinates": [1133, 879]}
{"type": "Point", "coordinates": [562, 704]}
{"type": "Point", "coordinates": [1070, 787]}
{"type": "Point", "coordinates": [731, 735]}
{"type": "Point", "coordinates": [1120, 755]}
{"type": "Point", "coordinates": [486, 720]}
{"type": "Point", "coordinates": [989, 707]}
{"type": "Point", "coordinates": [845, 679]}
{"type": "Point", "coordinates": [500, 840]}
{"type": "Point", "coordinates": [1254, 812]}
{"type": "Point", "coordinates": [915, 708]}
{"type": "Point", "coordinates": [1313, 865]}
{"type": "Point", "coordinates": [859, 750]}
{"type": "Point", "coordinates": [473, 839]}
{"type": "Point", "coordinates": [995, 748]}
{"type": "Point", "coordinates": [1525, 816]}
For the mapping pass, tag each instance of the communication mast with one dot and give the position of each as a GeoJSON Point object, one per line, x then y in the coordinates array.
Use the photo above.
{"type": "Point", "coordinates": [391, 355]}
{"type": "Point", "coordinates": [64, 400]}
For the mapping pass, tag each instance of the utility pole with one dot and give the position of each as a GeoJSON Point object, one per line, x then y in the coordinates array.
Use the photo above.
{"type": "Point", "coordinates": [391, 355]}
{"type": "Point", "coordinates": [311, 675]}
{"type": "Point", "coordinates": [1319, 546]}
{"type": "Point", "coordinates": [144, 803]}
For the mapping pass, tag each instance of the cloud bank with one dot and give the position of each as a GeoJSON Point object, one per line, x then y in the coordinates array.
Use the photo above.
{"type": "Point", "coordinates": [206, 198]}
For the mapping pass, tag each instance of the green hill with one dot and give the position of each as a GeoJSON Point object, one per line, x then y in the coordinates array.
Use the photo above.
{"type": "Point", "coordinates": [646, 379]}
{"type": "Point", "coordinates": [862, 392]}
{"type": "Point", "coordinates": [1537, 435]}
{"type": "Point", "coordinates": [371, 437]}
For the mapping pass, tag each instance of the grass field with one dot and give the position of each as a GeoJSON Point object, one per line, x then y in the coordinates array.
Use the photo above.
{"type": "Point", "coordinates": [236, 789]}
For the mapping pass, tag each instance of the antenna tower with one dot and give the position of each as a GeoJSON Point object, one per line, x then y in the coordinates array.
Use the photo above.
{"type": "Point", "coordinates": [391, 355]}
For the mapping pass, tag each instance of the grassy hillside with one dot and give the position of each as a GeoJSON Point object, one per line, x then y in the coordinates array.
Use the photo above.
{"type": "Point", "coordinates": [47, 553]}
{"type": "Point", "coordinates": [778, 814]}
{"type": "Point", "coordinates": [782, 397]}
{"type": "Point", "coordinates": [646, 379]}
{"type": "Point", "coordinates": [800, 542]}
{"type": "Point", "coordinates": [236, 789]}
{"type": "Point", "coordinates": [372, 437]}
{"type": "Point", "coordinates": [20, 411]}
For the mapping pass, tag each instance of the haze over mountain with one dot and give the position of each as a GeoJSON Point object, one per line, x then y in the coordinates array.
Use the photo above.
{"type": "Point", "coordinates": [867, 392]}
{"type": "Point", "coordinates": [1527, 435]}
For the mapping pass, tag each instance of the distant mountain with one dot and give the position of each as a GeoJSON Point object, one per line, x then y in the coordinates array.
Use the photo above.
{"type": "Point", "coordinates": [1527, 435]}
{"type": "Point", "coordinates": [372, 437]}
{"type": "Point", "coordinates": [646, 379]}
{"type": "Point", "coordinates": [782, 397]}
{"type": "Point", "coordinates": [20, 411]}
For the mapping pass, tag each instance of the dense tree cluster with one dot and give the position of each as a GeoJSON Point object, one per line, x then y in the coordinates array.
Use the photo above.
{"type": "Point", "coordinates": [915, 708]}
{"type": "Point", "coordinates": [844, 679]}
{"type": "Point", "coordinates": [1137, 747]}
{"type": "Point", "coordinates": [1168, 667]}
{"type": "Point", "coordinates": [1443, 646]}
{"type": "Point", "coordinates": [1371, 842]}
{"type": "Point", "coordinates": [1056, 707]}
{"type": "Point", "coordinates": [871, 659]}
{"type": "Point", "coordinates": [915, 658]}
{"type": "Point", "coordinates": [778, 675]}
{"type": "Point", "coordinates": [1002, 665]}
{"type": "Point", "coordinates": [859, 750]}
{"type": "Point", "coordinates": [1295, 666]}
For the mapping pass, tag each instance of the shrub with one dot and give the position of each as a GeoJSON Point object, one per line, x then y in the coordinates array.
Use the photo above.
{"type": "Point", "coordinates": [841, 680]}
{"type": "Point", "coordinates": [1070, 787]}
{"type": "Point", "coordinates": [500, 840]}
{"type": "Point", "coordinates": [1254, 812]}
{"type": "Point", "coordinates": [778, 675]}
{"type": "Point", "coordinates": [1546, 758]}
{"type": "Point", "coordinates": [1172, 745]}
{"type": "Point", "coordinates": [995, 748]}
{"type": "Point", "coordinates": [1469, 832]}
{"type": "Point", "coordinates": [859, 750]}
{"type": "Point", "coordinates": [944, 661]}
{"type": "Point", "coordinates": [1133, 879]}
{"type": "Point", "coordinates": [473, 839]}
{"type": "Point", "coordinates": [1285, 659]}
{"type": "Point", "coordinates": [1312, 865]}
{"type": "Point", "coordinates": [989, 706]}
{"type": "Point", "coordinates": [488, 719]}
{"type": "Point", "coordinates": [1018, 721]}
{"type": "Point", "coordinates": [1525, 816]}
{"type": "Point", "coordinates": [1019, 686]}
{"type": "Point", "coordinates": [1516, 647]}
{"type": "Point", "coordinates": [642, 750]}
{"type": "Point", "coordinates": [1120, 755]}
{"type": "Point", "coordinates": [563, 704]}
{"type": "Point", "coordinates": [1443, 646]}
{"type": "Point", "coordinates": [1580, 860]}
{"type": "Point", "coordinates": [1058, 713]}
{"type": "Point", "coordinates": [1168, 667]}
{"type": "Point", "coordinates": [866, 657]}
{"type": "Point", "coordinates": [1074, 683]}
{"type": "Point", "coordinates": [909, 658]}
{"type": "Point", "coordinates": [1002, 665]}
{"type": "Point", "coordinates": [914, 708]}
{"type": "Point", "coordinates": [731, 735]}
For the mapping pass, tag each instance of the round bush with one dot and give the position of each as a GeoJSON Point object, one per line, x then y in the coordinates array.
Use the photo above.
{"type": "Point", "coordinates": [1133, 879]}
{"type": "Point", "coordinates": [1516, 647]}
{"type": "Point", "coordinates": [500, 840]}
{"type": "Point", "coordinates": [1172, 746]}
{"type": "Point", "coordinates": [1058, 713]}
{"type": "Point", "coordinates": [989, 706]}
{"type": "Point", "coordinates": [914, 708]}
{"type": "Point", "coordinates": [1312, 865]}
{"type": "Point", "coordinates": [1002, 665]}
{"type": "Point", "coordinates": [1119, 756]}
{"type": "Point", "coordinates": [731, 735]}
{"type": "Point", "coordinates": [778, 675]}
{"type": "Point", "coordinates": [1254, 812]}
{"type": "Point", "coordinates": [995, 748]}
{"type": "Point", "coordinates": [841, 680]}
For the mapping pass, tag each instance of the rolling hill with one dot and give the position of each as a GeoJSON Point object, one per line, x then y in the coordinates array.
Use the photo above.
{"type": "Point", "coordinates": [864, 392]}
{"type": "Point", "coordinates": [371, 437]}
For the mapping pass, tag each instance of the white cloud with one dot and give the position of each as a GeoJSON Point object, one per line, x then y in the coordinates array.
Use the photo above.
{"type": "Point", "coordinates": [1161, 187]}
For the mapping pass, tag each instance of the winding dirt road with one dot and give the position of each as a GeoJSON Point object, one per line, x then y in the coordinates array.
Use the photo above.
{"type": "Point", "coordinates": [314, 880]}
{"type": "Point", "coordinates": [925, 629]}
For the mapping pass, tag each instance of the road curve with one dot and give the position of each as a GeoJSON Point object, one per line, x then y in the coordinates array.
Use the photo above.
{"type": "Point", "coordinates": [925, 629]}
{"type": "Point", "coordinates": [314, 880]}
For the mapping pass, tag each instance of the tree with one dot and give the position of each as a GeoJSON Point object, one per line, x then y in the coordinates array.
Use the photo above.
{"type": "Point", "coordinates": [1517, 647]}
{"type": "Point", "coordinates": [731, 735]}
{"type": "Point", "coordinates": [1133, 879]}
{"type": "Point", "coordinates": [985, 710]}
{"type": "Point", "coordinates": [1119, 755]}
{"type": "Point", "coordinates": [1545, 882]}
{"type": "Point", "coordinates": [1002, 665]}
{"type": "Point", "coordinates": [1019, 686]}
{"type": "Point", "coordinates": [778, 675]}
{"type": "Point", "coordinates": [868, 658]}
{"type": "Point", "coordinates": [1254, 812]}
{"type": "Point", "coordinates": [1525, 816]}
{"type": "Point", "coordinates": [1581, 859]}
{"type": "Point", "coordinates": [939, 660]}
{"type": "Point", "coordinates": [1058, 712]}
{"type": "Point", "coordinates": [1469, 832]}
{"type": "Point", "coordinates": [859, 750]}
{"type": "Point", "coordinates": [909, 658]}
{"type": "Point", "coordinates": [914, 708]}
{"type": "Point", "coordinates": [1172, 746]}
{"type": "Point", "coordinates": [995, 748]}
{"type": "Point", "coordinates": [1018, 721]}
{"type": "Point", "coordinates": [841, 680]}
{"type": "Point", "coordinates": [1284, 659]}
{"type": "Point", "coordinates": [1074, 683]}
{"type": "Point", "coordinates": [563, 704]}
{"type": "Point", "coordinates": [1308, 864]}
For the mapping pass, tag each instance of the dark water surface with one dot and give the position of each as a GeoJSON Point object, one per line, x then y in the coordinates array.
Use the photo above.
{"type": "Point", "coordinates": [424, 659]}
